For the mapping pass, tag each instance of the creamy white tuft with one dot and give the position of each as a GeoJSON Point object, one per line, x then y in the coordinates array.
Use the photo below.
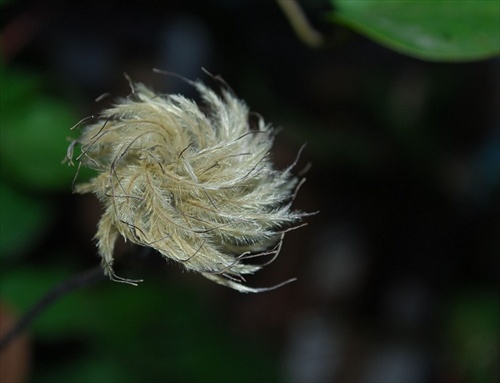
{"type": "Point", "coordinates": [194, 183]}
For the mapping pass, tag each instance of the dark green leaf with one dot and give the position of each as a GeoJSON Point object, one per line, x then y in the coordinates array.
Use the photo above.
{"type": "Point", "coordinates": [440, 30]}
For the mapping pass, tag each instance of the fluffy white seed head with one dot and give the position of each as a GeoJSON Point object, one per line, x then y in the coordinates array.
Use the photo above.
{"type": "Point", "coordinates": [198, 187]}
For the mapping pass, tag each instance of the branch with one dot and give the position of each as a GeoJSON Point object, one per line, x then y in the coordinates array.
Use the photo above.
{"type": "Point", "coordinates": [81, 280]}
{"type": "Point", "coordinates": [300, 24]}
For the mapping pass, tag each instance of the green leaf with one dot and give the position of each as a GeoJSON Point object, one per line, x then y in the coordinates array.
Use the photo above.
{"type": "Point", "coordinates": [438, 30]}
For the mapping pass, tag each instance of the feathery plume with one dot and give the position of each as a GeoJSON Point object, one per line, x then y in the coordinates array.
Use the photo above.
{"type": "Point", "coordinates": [198, 187]}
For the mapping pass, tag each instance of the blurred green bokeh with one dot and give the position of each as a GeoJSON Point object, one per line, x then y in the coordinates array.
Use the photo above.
{"type": "Point", "coordinates": [22, 220]}
{"type": "Point", "coordinates": [34, 132]}
{"type": "Point", "coordinates": [474, 333]}
{"type": "Point", "coordinates": [124, 334]}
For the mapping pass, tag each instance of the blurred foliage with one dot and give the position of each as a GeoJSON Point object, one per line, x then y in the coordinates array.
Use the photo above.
{"type": "Point", "coordinates": [32, 144]}
{"type": "Point", "coordinates": [33, 141]}
{"type": "Point", "coordinates": [441, 30]}
{"type": "Point", "coordinates": [473, 329]}
{"type": "Point", "coordinates": [153, 333]}
{"type": "Point", "coordinates": [22, 220]}
{"type": "Point", "coordinates": [34, 131]}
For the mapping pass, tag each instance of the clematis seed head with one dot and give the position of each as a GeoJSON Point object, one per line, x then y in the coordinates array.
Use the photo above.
{"type": "Point", "coordinates": [197, 186]}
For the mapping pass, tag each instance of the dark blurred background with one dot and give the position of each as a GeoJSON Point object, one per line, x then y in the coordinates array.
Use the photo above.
{"type": "Point", "coordinates": [397, 273]}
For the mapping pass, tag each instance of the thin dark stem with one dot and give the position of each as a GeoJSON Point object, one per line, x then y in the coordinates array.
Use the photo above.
{"type": "Point", "coordinates": [81, 280]}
